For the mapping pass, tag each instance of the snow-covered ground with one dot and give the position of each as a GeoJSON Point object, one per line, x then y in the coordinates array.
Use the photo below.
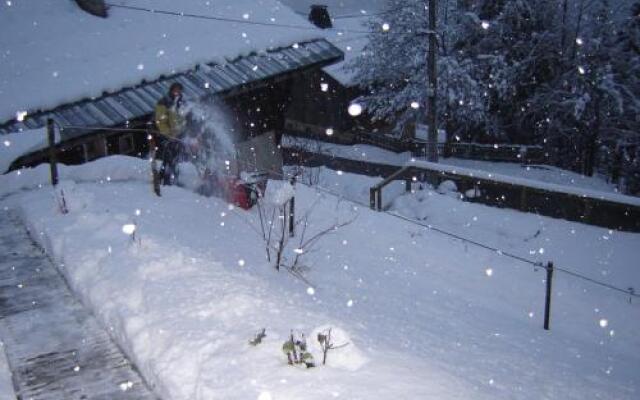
{"type": "Point", "coordinates": [425, 316]}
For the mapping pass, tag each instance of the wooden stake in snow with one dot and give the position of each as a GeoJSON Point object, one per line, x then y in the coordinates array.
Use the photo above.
{"type": "Point", "coordinates": [547, 303]}
{"type": "Point", "coordinates": [53, 161]}
{"type": "Point", "coordinates": [326, 344]}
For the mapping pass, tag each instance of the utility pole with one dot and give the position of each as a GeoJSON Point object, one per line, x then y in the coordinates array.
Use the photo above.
{"type": "Point", "coordinates": [432, 137]}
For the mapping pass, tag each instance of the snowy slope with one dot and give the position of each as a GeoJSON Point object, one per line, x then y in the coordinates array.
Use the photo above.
{"type": "Point", "coordinates": [423, 315]}
{"type": "Point", "coordinates": [54, 53]}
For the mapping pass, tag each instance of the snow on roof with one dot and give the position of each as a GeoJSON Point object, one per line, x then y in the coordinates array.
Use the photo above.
{"type": "Point", "coordinates": [15, 145]}
{"type": "Point", "coordinates": [352, 43]}
{"type": "Point", "coordinates": [55, 53]}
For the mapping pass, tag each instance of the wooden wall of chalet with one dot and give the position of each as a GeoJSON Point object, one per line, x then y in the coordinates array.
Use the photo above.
{"type": "Point", "coordinates": [261, 110]}
{"type": "Point", "coordinates": [89, 147]}
{"type": "Point", "coordinates": [321, 109]}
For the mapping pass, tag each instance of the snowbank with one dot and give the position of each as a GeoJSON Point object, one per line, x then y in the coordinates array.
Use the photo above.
{"type": "Point", "coordinates": [614, 197]}
{"type": "Point", "coordinates": [46, 62]}
{"type": "Point", "coordinates": [107, 169]}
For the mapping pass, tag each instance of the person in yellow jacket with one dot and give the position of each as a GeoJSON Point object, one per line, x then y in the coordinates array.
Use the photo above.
{"type": "Point", "coordinates": [170, 124]}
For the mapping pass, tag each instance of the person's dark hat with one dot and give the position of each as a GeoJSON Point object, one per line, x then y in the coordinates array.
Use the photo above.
{"type": "Point", "coordinates": [175, 85]}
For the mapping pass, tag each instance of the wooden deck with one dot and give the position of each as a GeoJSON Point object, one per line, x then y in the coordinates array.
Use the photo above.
{"type": "Point", "coordinates": [55, 347]}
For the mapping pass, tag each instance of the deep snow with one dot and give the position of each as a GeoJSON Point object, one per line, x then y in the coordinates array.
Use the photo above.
{"type": "Point", "coordinates": [426, 316]}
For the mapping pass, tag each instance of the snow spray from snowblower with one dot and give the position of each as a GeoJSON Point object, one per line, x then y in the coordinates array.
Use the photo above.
{"type": "Point", "coordinates": [209, 135]}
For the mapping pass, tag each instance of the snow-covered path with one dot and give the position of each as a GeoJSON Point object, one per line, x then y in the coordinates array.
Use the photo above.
{"type": "Point", "coordinates": [54, 346]}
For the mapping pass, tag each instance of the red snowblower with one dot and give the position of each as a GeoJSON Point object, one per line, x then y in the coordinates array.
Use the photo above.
{"type": "Point", "coordinates": [243, 191]}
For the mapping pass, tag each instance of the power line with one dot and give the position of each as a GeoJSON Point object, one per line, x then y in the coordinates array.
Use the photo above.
{"type": "Point", "coordinates": [365, 14]}
{"type": "Point", "coordinates": [234, 20]}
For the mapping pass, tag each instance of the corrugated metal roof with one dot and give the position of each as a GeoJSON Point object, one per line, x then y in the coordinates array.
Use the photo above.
{"type": "Point", "coordinates": [115, 109]}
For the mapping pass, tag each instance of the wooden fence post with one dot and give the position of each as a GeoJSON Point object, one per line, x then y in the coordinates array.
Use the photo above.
{"type": "Point", "coordinates": [53, 161]}
{"type": "Point", "coordinates": [292, 210]}
{"type": "Point", "coordinates": [155, 173]}
{"type": "Point", "coordinates": [547, 302]}
{"type": "Point", "coordinates": [372, 198]}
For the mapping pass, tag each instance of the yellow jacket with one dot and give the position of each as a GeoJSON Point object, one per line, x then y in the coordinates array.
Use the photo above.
{"type": "Point", "coordinates": [168, 121]}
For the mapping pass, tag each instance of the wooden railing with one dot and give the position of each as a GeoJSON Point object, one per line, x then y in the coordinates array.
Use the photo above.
{"type": "Point", "coordinates": [557, 204]}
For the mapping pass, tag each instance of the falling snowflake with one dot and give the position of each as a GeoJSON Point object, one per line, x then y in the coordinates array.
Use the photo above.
{"type": "Point", "coordinates": [140, 67]}
{"type": "Point", "coordinates": [329, 131]}
{"type": "Point", "coordinates": [581, 70]}
{"type": "Point", "coordinates": [241, 262]}
{"type": "Point", "coordinates": [76, 368]}
{"type": "Point", "coordinates": [324, 86]}
{"type": "Point", "coordinates": [265, 396]}
{"type": "Point", "coordinates": [7, 143]}
{"type": "Point", "coordinates": [138, 212]}
{"type": "Point", "coordinates": [350, 303]}
{"type": "Point", "coordinates": [603, 323]}
{"type": "Point", "coordinates": [489, 272]}
{"type": "Point", "coordinates": [245, 16]}
{"type": "Point", "coordinates": [579, 41]}
{"type": "Point", "coordinates": [385, 27]}
{"type": "Point", "coordinates": [485, 25]}
{"type": "Point", "coordinates": [311, 291]}
{"type": "Point", "coordinates": [21, 115]}
{"type": "Point", "coordinates": [354, 109]}
{"type": "Point", "coordinates": [124, 386]}
{"type": "Point", "coordinates": [128, 229]}
{"type": "Point", "coordinates": [415, 105]}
